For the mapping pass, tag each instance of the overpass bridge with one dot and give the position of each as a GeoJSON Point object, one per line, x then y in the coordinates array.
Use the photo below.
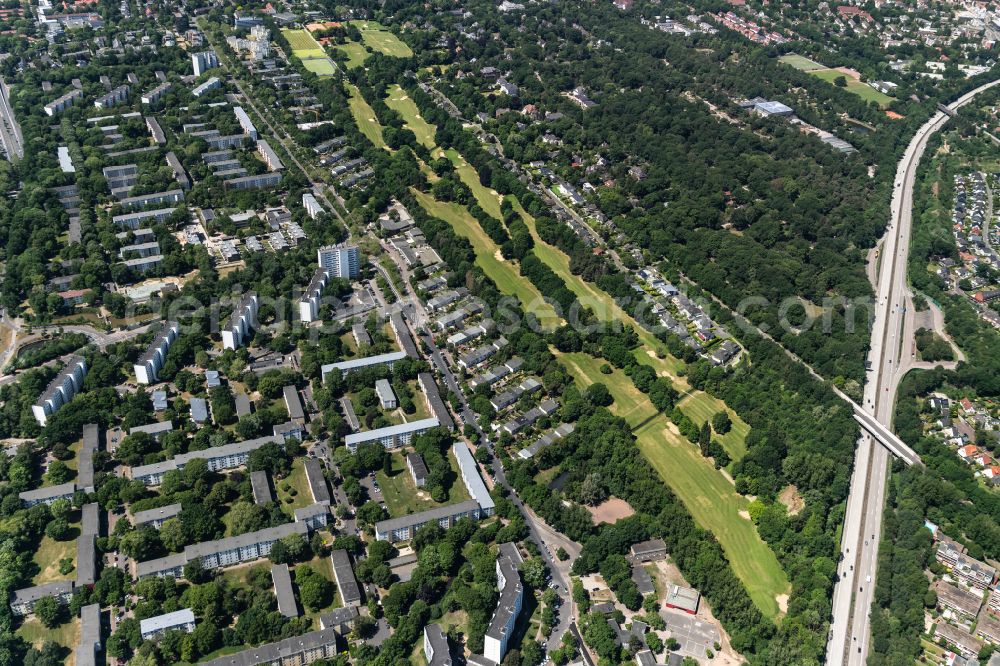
{"type": "Point", "coordinates": [884, 436]}
{"type": "Point", "coordinates": [881, 433]}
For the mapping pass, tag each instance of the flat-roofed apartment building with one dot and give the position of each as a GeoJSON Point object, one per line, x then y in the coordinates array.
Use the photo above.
{"type": "Point", "coordinates": [89, 644]}
{"type": "Point", "coordinates": [347, 367]}
{"type": "Point", "coordinates": [178, 620]}
{"type": "Point", "coordinates": [959, 600]}
{"type": "Point", "coordinates": [148, 366]}
{"type": "Point", "coordinates": [343, 574]}
{"type": "Point", "coordinates": [437, 652]}
{"type": "Point", "coordinates": [965, 568]}
{"type": "Point", "coordinates": [63, 102]}
{"type": "Point", "coordinates": [294, 651]}
{"type": "Point", "coordinates": [157, 198]}
{"type": "Point", "coordinates": [223, 552]}
{"type": "Point", "coordinates": [156, 517]}
{"type": "Point", "coordinates": [133, 221]}
{"type": "Point", "coordinates": [390, 437]}
{"type": "Point", "coordinates": [60, 390]}
{"type": "Point", "coordinates": [227, 456]}
{"type": "Point", "coordinates": [481, 505]}
{"type": "Point", "coordinates": [242, 321]}
{"type": "Point", "coordinates": [496, 641]}
{"type": "Point", "coordinates": [310, 301]}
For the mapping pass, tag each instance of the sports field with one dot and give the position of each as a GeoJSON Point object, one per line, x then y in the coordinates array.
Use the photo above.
{"type": "Point", "coordinates": [378, 38]}
{"type": "Point", "coordinates": [862, 90]}
{"type": "Point", "coordinates": [828, 74]}
{"type": "Point", "coordinates": [302, 43]}
{"type": "Point", "coordinates": [707, 494]}
{"type": "Point", "coordinates": [801, 62]}
{"type": "Point", "coordinates": [310, 52]}
{"type": "Point", "coordinates": [319, 66]}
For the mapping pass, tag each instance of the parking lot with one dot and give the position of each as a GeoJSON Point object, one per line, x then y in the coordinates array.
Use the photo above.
{"type": "Point", "coordinates": [694, 635]}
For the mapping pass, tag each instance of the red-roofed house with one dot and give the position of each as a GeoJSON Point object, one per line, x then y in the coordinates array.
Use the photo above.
{"type": "Point", "coordinates": [74, 296]}
{"type": "Point", "coordinates": [848, 11]}
{"type": "Point", "coordinates": [967, 451]}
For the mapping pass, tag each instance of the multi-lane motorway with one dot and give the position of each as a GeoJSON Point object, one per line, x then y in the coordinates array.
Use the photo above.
{"type": "Point", "coordinates": [852, 600]}
{"type": "Point", "coordinates": [10, 131]}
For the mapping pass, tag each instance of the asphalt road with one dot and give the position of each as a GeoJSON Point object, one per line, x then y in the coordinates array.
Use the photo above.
{"type": "Point", "coordinates": [850, 632]}
{"type": "Point", "coordinates": [10, 131]}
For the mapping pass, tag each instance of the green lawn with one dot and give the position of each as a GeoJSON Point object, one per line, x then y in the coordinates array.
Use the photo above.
{"type": "Point", "coordinates": [505, 274]}
{"type": "Point", "coordinates": [862, 90]}
{"type": "Point", "coordinates": [378, 38]}
{"type": "Point", "coordinates": [365, 117]}
{"type": "Point", "coordinates": [801, 62]}
{"type": "Point", "coordinates": [403, 497]}
{"type": "Point", "coordinates": [297, 482]}
{"type": "Point", "coordinates": [319, 66]}
{"type": "Point", "coordinates": [48, 555]}
{"type": "Point", "coordinates": [356, 54]}
{"type": "Point", "coordinates": [301, 41]}
{"type": "Point", "coordinates": [35, 633]}
{"type": "Point", "coordinates": [707, 494]}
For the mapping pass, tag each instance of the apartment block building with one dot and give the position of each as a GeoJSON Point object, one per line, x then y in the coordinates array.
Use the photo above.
{"type": "Point", "coordinates": [149, 364]}
{"type": "Point", "coordinates": [221, 553]}
{"type": "Point", "coordinates": [219, 458]}
{"type": "Point", "coordinates": [242, 321]}
{"type": "Point", "coordinates": [310, 301]}
{"type": "Point", "coordinates": [340, 261]}
{"type": "Point", "coordinates": [60, 390]}
{"type": "Point", "coordinates": [390, 437]}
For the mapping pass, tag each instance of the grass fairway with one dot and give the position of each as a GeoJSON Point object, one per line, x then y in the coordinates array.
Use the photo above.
{"type": "Point", "coordinates": [378, 38]}
{"type": "Point", "coordinates": [708, 495]}
{"type": "Point", "coordinates": [402, 104]}
{"type": "Point", "coordinates": [356, 54]}
{"type": "Point", "coordinates": [801, 62]}
{"type": "Point", "coordinates": [862, 90]}
{"type": "Point", "coordinates": [697, 405]}
{"type": "Point", "coordinates": [701, 407]}
{"type": "Point", "coordinates": [365, 118]}
{"type": "Point", "coordinates": [505, 274]}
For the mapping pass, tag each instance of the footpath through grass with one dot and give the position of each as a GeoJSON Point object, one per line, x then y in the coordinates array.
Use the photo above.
{"type": "Point", "coordinates": [708, 495]}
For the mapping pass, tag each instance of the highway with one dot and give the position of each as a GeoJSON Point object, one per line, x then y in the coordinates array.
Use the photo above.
{"type": "Point", "coordinates": [10, 131]}
{"type": "Point", "coordinates": [849, 639]}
